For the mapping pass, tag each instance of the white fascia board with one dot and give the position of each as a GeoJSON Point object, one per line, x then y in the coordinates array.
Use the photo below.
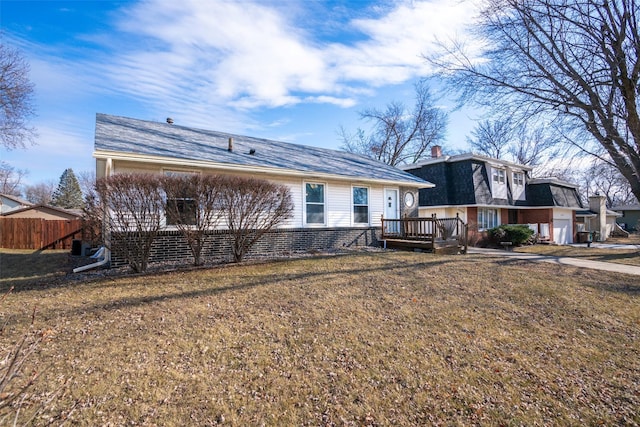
{"type": "Point", "coordinates": [467, 156]}
{"type": "Point", "coordinates": [499, 207]}
{"type": "Point", "coordinates": [130, 157]}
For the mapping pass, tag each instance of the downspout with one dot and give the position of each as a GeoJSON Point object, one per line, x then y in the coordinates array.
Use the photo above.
{"type": "Point", "coordinates": [107, 252]}
{"type": "Point", "coordinates": [104, 261]}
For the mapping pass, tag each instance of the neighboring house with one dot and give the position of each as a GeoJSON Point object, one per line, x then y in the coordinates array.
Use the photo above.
{"type": "Point", "coordinates": [630, 217]}
{"type": "Point", "coordinates": [339, 197]}
{"type": "Point", "coordinates": [39, 227]}
{"type": "Point", "coordinates": [598, 219]}
{"type": "Point", "coordinates": [43, 212]}
{"type": "Point", "coordinates": [9, 203]}
{"type": "Point", "coordinates": [487, 192]}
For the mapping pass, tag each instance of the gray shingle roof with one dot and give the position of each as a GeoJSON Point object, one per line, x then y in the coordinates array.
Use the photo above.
{"type": "Point", "coordinates": [121, 134]}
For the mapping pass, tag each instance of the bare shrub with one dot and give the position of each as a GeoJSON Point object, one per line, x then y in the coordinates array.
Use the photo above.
{"type": "Point", "coordinates": [252, 207]}
{"type": "Point", "coordinates": [194, 207]}
{"type": "Point", "coordinates": [132, 206]}
{"type": "Point", "coordinates": [17, 406]}
{"type": "Point", "coordinates": [92, 218]}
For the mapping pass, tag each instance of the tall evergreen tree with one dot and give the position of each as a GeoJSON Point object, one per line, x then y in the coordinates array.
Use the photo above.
{"type": "Point", "coordinates": [68, 194]}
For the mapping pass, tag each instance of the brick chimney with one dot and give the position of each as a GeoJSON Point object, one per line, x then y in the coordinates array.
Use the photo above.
{"type": "Point", "coordinates": [436, 151]}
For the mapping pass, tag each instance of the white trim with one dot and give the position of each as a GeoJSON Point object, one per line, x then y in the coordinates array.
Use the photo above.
{"type": "Point", "coordinates": [304, 204]}
{"type": "Point", "coordinates": [227, 167]}
{"type": "Point", "coordinates": [498, 217]}
{"type": "Point", "coordinates": [353, 205]}
{"type": "Point", "coordinates": [500, 207]}
{"type": "Point", "coordinates": [181, 171]}
{"type": "Point", "coordinates": [461, 157]}
{"type": "Point", "coordinates": [398, 201]}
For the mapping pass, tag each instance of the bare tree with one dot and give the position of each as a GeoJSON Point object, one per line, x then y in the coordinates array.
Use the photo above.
{"type": "Point", "coordinates": [16, 99]}
{"type": "Point", "coordinates": [491, 137]}
{"type": "Point", "coordinates": [41, 193]}
{"type": "Point", "coordinates": [603, 178]}
{"type": "Point", "coordinates": [252, 207]}
{"type": "Point", "coordinates": [87, 181]}
{"type": "Point", "coordinates": [576, 63]}
{"type": "Point", "coordinates": [519, 142]}
{"type": "Point", "coordinates": [194, 206]}
{"type": "Point", "coordinates": [533, 146]}
{"type": "Point", "coordinates": [10, 179]}
{"type": "Point", "coordinates": [399, 135]}
{"type": "Point", "coordinates": [133, 207]}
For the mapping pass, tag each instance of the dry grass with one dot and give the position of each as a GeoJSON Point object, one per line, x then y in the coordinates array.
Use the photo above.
{"type": "Point", "coordinates": [620, 256]}
{"type": "Point", "coordinates": [26, 266]}
{"type": "Point", "coordinates": [391, 338]}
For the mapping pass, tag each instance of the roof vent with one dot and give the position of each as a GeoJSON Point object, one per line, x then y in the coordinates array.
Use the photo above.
{"type": "Point", "coordinates": [169, 120]}
{"type": "Point", "coordinates": [252, 151]}
{"type": "Point", "coordinates": [230, 145]}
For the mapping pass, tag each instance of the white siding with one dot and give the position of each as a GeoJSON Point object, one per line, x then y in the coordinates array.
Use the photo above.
{"type": "Point", "coordinates": [338, 205]}
{"type": "Point", "coordinates": [376, 205]}
{"type": "Point", "coordinates": [338, 195]}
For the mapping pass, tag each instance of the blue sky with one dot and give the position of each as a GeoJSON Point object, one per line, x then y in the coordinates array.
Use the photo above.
{"type": "Point", "coordinates": [288, 70]}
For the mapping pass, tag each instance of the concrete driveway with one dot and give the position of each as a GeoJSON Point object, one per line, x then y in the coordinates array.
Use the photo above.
{"type": "Point", "coordinates": [576, 262]}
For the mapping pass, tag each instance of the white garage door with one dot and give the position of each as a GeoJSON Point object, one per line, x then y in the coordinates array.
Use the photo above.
{"type": "Point", "coordinates": [561, 231]}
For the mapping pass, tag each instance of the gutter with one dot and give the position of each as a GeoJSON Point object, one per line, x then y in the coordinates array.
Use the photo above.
{"type": "Point", "coordinates": [107, 257]}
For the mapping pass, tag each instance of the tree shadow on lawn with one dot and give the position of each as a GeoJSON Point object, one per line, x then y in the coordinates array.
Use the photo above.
{"type": "Point", "coordinates": [19, 268]}
{"type": "Point", "coordinates": [271, 279]}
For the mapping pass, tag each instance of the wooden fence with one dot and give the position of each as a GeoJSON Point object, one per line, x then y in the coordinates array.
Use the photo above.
{"type": "Point", "coordinates": [37, 233]}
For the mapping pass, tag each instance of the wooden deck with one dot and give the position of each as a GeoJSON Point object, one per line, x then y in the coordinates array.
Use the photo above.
{"type": "Point", "coordinates": [437, 235]}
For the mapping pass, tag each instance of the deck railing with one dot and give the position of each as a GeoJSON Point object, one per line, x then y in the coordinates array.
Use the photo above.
{"type": "Point", "coordinates": [429, 229]}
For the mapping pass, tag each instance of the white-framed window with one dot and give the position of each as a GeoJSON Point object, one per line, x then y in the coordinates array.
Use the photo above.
{"type": "Point", "coordinates": [360, 198]}
{"type": "Point", "coordinates": [498, 183]}
{"type": "Point", "coordinates": [518, 178]}
{"type": "Point", "coordinates": [314, 202]}
{"type": "Point", "coordinates": [181, 209]}
{"type": "Point", "coordinates": [488, 218]}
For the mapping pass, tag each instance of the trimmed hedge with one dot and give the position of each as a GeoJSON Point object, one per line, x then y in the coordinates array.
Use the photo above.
{"type": "Point", "coordinates": [516, 234]}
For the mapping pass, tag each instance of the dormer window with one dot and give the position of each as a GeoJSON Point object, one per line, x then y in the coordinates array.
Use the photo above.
{"type": "Point", "coordinates": [498, 183]}
{"type": "Point", "coordinates": [518, 178]}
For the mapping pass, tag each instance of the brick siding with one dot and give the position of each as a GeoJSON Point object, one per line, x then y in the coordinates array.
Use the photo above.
{"type": "Point", "coordinates": [171, 245]}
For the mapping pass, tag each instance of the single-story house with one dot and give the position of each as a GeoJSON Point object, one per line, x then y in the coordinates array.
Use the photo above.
{"type": "Point", "coordinates": [44, 212]}
{"type": "Point", "coordinates": [339, 197]}
{"type": "Point", "coordinates": [629, 219]}
{"type": "Point", "coordinates": [487, 192]}
{"type": "Point", "coordinates": [9, 202]}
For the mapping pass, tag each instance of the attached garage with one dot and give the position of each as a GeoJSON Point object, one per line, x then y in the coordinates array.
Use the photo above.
{"type": "Point", "coordinates": [562, 231]}
{"type": "Point", "coordinates": [563, 226]}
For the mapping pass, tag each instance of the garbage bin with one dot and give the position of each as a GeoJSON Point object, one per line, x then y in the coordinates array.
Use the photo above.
{"type": "Point", "coordinates": [585, 237]}
{"type": "Point", "coordinates": [76, 247]}
{"type": "Point", "coordinates": [596, 236]}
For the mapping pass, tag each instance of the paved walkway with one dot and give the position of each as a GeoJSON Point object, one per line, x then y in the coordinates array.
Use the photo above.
{"type": "Point", "coordinates": [576, 262]}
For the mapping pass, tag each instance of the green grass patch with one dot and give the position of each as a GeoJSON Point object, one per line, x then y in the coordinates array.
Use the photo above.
{"type": "Point", "coordinates": [389, 338]}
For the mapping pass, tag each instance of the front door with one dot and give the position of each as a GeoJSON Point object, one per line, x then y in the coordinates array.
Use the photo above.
{"type": "Point", "coordinates": [391, 210]}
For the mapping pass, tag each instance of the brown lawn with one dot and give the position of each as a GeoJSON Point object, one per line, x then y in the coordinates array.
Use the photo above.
{"type": "Point", "coordinates": [620, 256]}
{"type": "Point", "coordinates": [371, 338]}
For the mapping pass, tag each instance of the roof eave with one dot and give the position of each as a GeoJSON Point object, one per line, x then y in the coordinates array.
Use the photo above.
{"type": "Point", "coordinates": [117, 155]}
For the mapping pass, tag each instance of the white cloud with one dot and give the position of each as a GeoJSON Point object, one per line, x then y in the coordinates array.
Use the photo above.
{"type": "Point", "coordinates": [248, 55]}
